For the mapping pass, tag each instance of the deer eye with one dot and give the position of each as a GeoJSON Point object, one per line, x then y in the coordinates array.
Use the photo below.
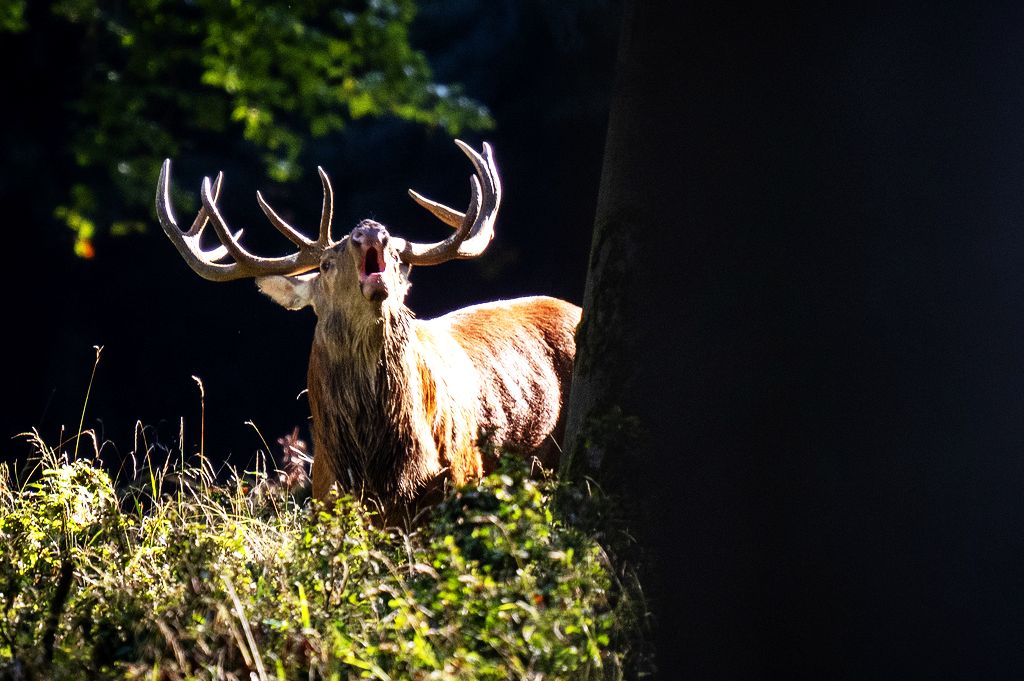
{"type": "Point", "coordinates": [326, 266]}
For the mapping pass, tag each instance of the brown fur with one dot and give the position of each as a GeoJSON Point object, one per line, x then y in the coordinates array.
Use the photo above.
{"type": "Point", "coordinates": [499, 370]}
{"type": "Point", "coordinates": [399, 405]}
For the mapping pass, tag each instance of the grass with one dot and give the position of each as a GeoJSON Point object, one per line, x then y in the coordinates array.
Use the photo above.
{"type": "Point", "coordinates": [174, 575]}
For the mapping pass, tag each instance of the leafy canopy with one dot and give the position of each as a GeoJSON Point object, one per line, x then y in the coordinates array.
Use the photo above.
{"type": "Point", "coordinates": [155, 73]}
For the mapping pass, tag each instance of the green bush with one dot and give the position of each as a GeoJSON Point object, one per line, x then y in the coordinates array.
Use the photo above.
{"type": "Point", "coordinates": [181, 578]}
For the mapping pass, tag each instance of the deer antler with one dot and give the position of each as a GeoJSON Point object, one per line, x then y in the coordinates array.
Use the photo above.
{"type": "Point", "coordinates": [474, 228]}
{"type": "Point", "coordinates": [208, 263]}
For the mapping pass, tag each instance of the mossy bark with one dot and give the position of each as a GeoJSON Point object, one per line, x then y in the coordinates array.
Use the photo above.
{"type": "Point", "coordinates": [636, 423]}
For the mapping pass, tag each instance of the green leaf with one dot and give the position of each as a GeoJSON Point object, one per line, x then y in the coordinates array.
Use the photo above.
{"type": "Point", "coordinates": [239, 79]}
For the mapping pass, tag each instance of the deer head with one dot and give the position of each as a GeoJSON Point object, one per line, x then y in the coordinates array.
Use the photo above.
{"type": "Point", "coordinates": [358, 275]}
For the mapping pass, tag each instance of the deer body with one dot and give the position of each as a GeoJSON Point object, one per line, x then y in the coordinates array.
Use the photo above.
{"type": "Point", "coordinates": [406, 405]}
{"type": "Point", "coordinates": [400, 405]}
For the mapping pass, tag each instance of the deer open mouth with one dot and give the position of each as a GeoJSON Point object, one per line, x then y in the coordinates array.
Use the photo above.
{"type": "Point", "coordinates": [373, 263]}
{"type": "Point", "coordinates": [370, 273]}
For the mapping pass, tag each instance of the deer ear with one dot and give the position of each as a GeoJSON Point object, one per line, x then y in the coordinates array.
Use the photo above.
{"type": "Point", "coordinates": [293, 293]}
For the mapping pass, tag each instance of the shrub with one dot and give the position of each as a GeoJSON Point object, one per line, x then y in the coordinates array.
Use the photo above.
{"type": "Point", "coordinates": [183, 578]}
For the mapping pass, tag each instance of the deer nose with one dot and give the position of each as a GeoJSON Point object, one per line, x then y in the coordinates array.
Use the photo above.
{"type": "Point", "coordinates": [370, 234]}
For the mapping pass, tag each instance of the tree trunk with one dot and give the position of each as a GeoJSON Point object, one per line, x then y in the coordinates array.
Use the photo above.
{"type": "Point", "coordinates": [800, 359]}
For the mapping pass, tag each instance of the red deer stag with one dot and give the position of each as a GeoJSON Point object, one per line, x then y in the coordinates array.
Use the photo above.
{"type": "Point", "coordinates": [400, 404]}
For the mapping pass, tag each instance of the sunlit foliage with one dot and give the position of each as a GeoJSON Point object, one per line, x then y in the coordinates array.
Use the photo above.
{"type": "Point", "coordinates": [176, 577]}
{"type": "Point", "coordinates": [155, 72]}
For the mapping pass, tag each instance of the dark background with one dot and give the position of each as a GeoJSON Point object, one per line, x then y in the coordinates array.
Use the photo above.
{"type": "Point", "coordinates": [544, 71]}
{"type": "Point", "coordinates": [836, 487]}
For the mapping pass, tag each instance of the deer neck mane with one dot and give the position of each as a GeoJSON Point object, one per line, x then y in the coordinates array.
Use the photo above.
{"type": "Point", "coordinates": [363, 341]}
{"type": "Point", "coordinates": [363, 402]}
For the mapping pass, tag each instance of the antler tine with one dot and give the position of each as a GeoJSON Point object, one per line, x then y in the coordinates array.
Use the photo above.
{"type": "Point", "coordinates": [201, 218]}
{"type": "Point", "coordinates": [220, 227]}
{"type": "Point", "coordinates": [475, 227]}
{"type": "Point", "coordinates": [448, 216]}
{"type": "Point", "coordinates": [293, 235]}
{"type": "Point", "coordinates": [205, 262]}
{"type": "Point", "coordinates": [202, 262]}
{"type": "Point", "coordinates": [490, 198]}
{"type": "Point", "coordinates": [442, 251]}
{"type": "Point", "coordinates": [327, 213]}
